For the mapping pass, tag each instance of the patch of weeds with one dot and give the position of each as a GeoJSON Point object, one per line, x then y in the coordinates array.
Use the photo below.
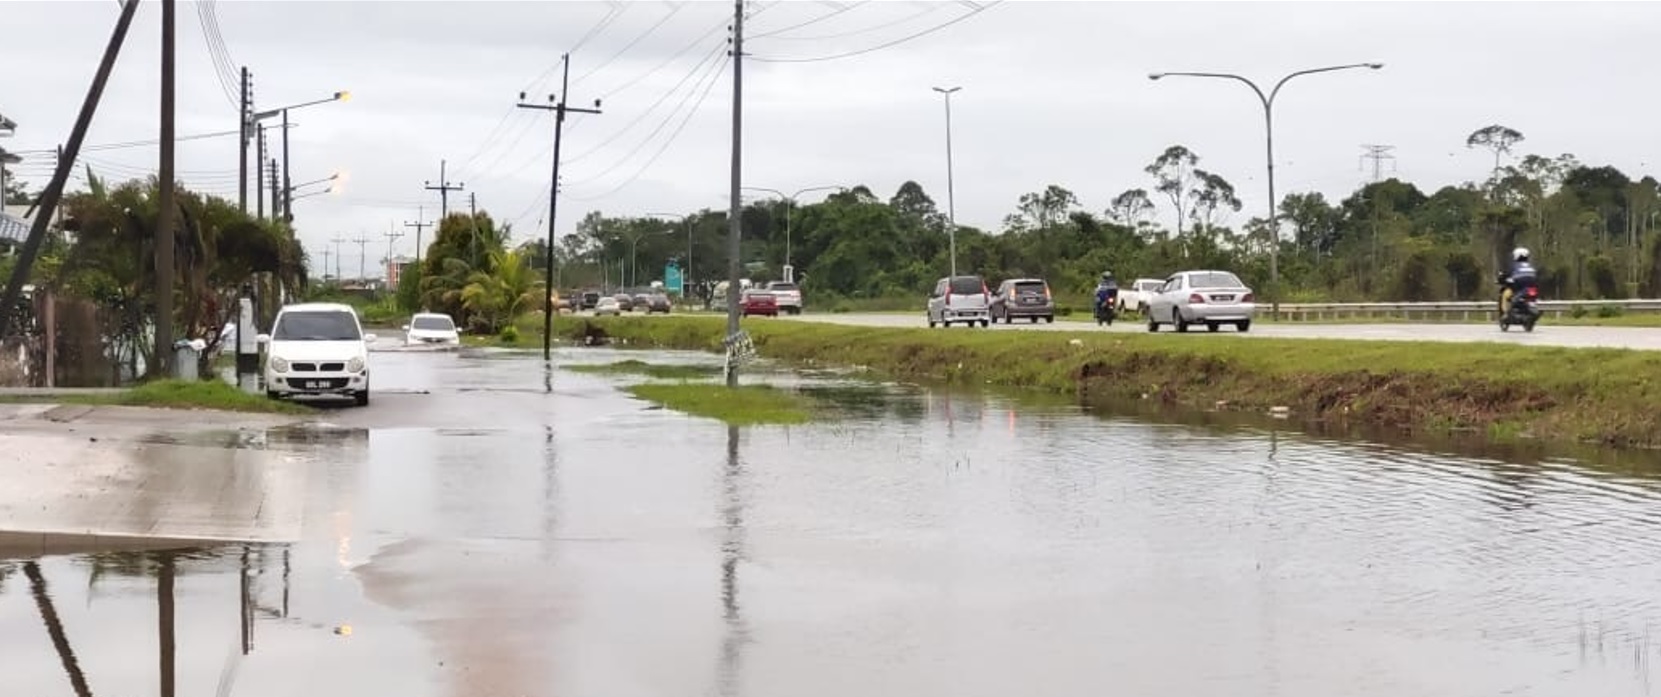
{"type": "Point", "coordinates": [745, 405]}
{"type": "Point", "coordinates": [174, 394]}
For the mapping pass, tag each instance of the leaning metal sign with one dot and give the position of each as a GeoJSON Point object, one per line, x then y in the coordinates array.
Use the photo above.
{"type": "Point", "coordinates": [740, 350]}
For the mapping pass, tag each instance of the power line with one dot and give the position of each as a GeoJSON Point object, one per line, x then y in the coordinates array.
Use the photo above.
{"type": "Point", "coordinates": [217, 53]}
{"type": "Point", "coordinates": [879, 47]}
{"type": "Point", "coordinates": [684, 50]}
{"type": "Point", "coordinates": [649, 31]}
{"type": "Point", "coordinates": [1378, 154]}
{"type": "Point", "coordinates": [616, 10]}
{"type": "Point", "coordinates": [665, 147]}
{"type": "Point", "coordinates": [653, 107]}
{"type": "Point", "coordinates": [810, 22]}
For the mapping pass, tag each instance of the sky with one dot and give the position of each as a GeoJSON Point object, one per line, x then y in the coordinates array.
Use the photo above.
{"type": "Point", "coordinates": [1052, 93]}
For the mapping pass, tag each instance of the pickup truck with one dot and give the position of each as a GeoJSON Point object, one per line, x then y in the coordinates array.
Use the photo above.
{"type": "Point", "coordinates": [787, 295]}
{"type": "Point", "coordinates": [1136, 297]}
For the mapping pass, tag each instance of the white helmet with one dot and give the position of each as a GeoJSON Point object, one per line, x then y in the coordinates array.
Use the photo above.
{"type": "Point", "coordinates": [1519, 254]}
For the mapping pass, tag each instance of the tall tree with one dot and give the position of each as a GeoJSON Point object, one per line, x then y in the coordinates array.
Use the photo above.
{"type": "Point", "coordinates": [1173, 173]}
{"type": "Point", "coordinates": [1497, 139]}
{"type": "Point", "coordinates": [1130, 208]}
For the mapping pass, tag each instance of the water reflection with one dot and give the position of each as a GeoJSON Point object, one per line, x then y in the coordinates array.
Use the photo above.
{"type": "Point", "coordinates": [54, 629]}
{"type": "Point", "coordinates": [732, 552]}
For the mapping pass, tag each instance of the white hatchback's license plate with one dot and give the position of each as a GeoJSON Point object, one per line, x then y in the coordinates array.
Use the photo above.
{"type": "Point", "coordinates": [317, 384]}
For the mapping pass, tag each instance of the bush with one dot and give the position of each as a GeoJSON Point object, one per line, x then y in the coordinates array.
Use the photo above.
{"type": "Point", "coordinates": [1607, 311]}
{"type": "Point", "coordinates": [509, 334]}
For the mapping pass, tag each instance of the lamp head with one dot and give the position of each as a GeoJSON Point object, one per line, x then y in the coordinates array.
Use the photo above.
{"type": "Point", "coordinates": [1375, 66]}
{"type": "Point", "coordinates": [1155, 76]}
{"type": "Point", "coordinates": [343, 96]}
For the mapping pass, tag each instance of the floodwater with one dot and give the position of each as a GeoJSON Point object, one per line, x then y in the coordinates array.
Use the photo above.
{"type": "Point", "coordinates": [474, 533]}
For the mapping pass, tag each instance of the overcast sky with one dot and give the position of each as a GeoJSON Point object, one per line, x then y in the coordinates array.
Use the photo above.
{"type": "Point", "coordinates": [1052, 92]}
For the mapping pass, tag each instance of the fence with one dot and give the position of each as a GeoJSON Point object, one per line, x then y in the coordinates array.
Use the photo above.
{"type": "Point", "coordinates": [1461, 310]}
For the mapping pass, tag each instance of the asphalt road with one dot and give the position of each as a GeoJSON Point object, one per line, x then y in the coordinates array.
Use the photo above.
{"type": "Point", "coordinates": [1543, 335]}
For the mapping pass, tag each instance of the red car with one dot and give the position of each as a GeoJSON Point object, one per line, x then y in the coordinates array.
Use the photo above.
{"type": "Point", "coordinates": [759, 303]}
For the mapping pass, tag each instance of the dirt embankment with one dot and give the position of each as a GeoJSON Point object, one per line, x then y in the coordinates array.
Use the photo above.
{"type": "Point", "coordinates": [1611, 397]}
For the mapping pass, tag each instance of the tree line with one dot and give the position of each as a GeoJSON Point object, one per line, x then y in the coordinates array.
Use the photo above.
{"type": "Point", "coordinates": [1592, 228]}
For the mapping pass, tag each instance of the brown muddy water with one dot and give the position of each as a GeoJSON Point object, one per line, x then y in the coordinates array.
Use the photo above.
{"type": "Point", "coordinates": [484, 529]}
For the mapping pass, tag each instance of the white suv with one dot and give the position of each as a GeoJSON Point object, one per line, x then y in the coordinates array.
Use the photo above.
{"type": "Point", "coordinates": [317, 349]}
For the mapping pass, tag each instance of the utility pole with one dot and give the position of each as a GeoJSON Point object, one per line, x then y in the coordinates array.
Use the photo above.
{"type": "Point", "coordinates": [556, 104]}
{"type": "Point", "coordinates": [951, 194]}
{"type": "Point", "coordinates": [259, 177]}
{"type": "Point", "coordinates": [166, 213]}
{"type": "Point", "coordinates": [1378, 154]}
{"type": "Point", "coordinates": [337, 240]}
{"type": "Point", "coordinates": [418, 225]}
{"type": "Point", "coordinates": [288, 187]}
{"type": "Point", "coordinates": [391, 237]}
{"type": "Point", "coordinates": [54, 190]}
{"type": "Point", "coordinates": [363, 255]}
{"type": "Point", "coordinates": [735, 206]}
{"type": "Point", "coordinates": [326, 253]}
{"type": "Point", "coordinates": [275, 199]}
{"type": "Point", "coordinates": [444, 188]}
{"type": "Point", "coordinates": [242, 145]}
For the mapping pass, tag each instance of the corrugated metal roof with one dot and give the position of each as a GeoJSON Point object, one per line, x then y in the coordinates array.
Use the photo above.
{"type": "Point", "coordinates": [13, 227]}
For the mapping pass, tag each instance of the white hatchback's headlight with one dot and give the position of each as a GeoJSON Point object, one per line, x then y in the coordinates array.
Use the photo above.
{"type": "Point", "coordinates": [279, 364]}
{"type": "Point", "coordinates": [354, 365]}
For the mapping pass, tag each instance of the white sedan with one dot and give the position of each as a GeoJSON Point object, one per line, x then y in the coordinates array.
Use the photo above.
{"type": "Point", "coordinates": [430, 328]}
{"type": "Point", "coordinates": [608, 306]}
{"type": "Point", "coordinates": [1211, 298]}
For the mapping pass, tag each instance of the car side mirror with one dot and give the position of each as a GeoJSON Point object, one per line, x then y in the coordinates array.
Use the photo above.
{"type": "Point", "coordinates": [369, 338]}
{"type": "Point", "coordinates": [263, 339]}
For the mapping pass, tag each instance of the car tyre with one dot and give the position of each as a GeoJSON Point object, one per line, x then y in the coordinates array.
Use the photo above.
{"type": "Point", "coordinates": [987, 323]}
{"type": "Point", "coordinates": [273, 394]}
{"type": "Point", "coordinates": [361, 397]}
{"type": "Point", "coordinates": [1153, 324]}
{"type": "Point", "coordinates": [1049, 319]}
{"type": "Point", "coordinates": [1177, 320]}
{"type": "Point", "coordinates": [1244, 326]}
{"type": "Point", "coordinates": [1212, 326]}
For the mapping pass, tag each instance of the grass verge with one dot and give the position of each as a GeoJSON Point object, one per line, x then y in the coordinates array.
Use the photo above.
{"type": "Point", "coordinates": [174, 394]}
{"type": "Point", "coordinates": [748, 405]}
{"type": "Point", "coordinates": [656, 370]}
{"type": "Point", "coordinates": [1608, 396]}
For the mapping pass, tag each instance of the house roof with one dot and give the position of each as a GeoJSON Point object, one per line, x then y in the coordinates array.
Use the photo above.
{"type": "Point", "coordinates": [7, 124]}
{"type": "Point", "coordinates": [13, 228]}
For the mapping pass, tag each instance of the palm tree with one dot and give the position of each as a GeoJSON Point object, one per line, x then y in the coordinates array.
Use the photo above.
{"type": "Point", "coordinates": [510, 289]}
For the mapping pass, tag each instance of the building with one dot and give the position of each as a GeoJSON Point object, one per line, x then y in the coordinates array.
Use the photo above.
{"type": "Point", "coordinates": [395, 269]}
{"type": "Point", "coordinates": [14, 227]}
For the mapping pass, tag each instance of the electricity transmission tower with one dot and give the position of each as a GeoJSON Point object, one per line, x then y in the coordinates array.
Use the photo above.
{"type": "Point", "coordinates": [1378, 154]}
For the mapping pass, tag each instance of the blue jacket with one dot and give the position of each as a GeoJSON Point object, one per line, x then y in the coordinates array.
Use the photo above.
{"type": "Point", "coordinates": [1106, 290]}
{"type": "Point", "coordinates": [1523, 275]}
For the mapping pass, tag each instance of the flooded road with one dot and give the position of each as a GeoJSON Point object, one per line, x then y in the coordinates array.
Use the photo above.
{"type": "Point", "coordinates": [474, 533]}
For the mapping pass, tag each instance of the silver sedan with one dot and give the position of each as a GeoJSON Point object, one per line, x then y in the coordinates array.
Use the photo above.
{"type": "Point", "coordinates": [1211, 298]}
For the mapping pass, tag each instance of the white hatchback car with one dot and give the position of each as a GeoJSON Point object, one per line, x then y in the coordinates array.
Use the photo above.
{"type": "Point", "coordinates": [429, 328]}
{"type": "Point", "coordinates": [317, 349]}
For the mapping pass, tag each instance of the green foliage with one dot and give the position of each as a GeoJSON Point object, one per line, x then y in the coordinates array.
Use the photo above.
{"type": "Point", "coordinates": [509, 288]}
{"type": "Point", "coordinates": [409, 289]}
{"type": "Point", "coordinates": [509, 335]}
{"type": "Point", "coordinates": [746, 405]}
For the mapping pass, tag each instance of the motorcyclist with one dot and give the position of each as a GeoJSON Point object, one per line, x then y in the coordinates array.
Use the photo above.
{"type": "Point", "coordinates": [1107, 291]}
{"type": "Point", "coordinates": [1521, 277]}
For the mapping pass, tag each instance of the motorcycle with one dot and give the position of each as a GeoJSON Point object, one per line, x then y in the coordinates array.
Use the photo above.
{"type": "Point", "coordinates": [1105, 308]}
{"type": "Point", "coordinates": [1522, 309]}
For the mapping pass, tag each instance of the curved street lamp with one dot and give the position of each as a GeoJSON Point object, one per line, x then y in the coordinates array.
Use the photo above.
{"type": "Point", "coordinates": [790, 203]}
{"type": "Point", "coordinates": [288, 201]}
{"type": "Point", "coordinates": [1269, 146]}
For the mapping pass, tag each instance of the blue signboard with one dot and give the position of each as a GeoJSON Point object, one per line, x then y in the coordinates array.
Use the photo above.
{"type": "Point", "coordinates": [672, 279]}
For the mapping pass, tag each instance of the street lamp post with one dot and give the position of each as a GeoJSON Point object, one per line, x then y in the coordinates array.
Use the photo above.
{"type": "Point", "coordinates": [686, 269]}
{"type": "Point", "coordinates": [790, 204]}
{"type": "Point", "coordinates": [288, 199]}
{"type": "Point", "coordinates": [951, 197]}
{"type": "Point", "coordinates": [1269, 147]}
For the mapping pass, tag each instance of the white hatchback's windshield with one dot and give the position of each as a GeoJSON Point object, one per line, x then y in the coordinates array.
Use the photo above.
{"type": "Point", "coordinates": [316, 325]}
{"type": "Point", "coordinates": [433, 324]}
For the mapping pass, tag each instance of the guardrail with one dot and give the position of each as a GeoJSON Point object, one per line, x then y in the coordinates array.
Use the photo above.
{"type": "Point", "coordinates": [1464, 310]}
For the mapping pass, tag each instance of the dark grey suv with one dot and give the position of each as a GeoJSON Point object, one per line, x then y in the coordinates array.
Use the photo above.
{"type": "Point", "coordinates": [1023, 297]}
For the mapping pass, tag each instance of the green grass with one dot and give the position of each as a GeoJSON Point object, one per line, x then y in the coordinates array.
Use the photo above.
{"type": "Point", "coordinates": [661, 371]}
{"type": "Point", "coordinates": [175, 394]}
{"type": "Point", "coordinates": [747, 405]}
{"type": "Point", "coordinates": [1608, 396]}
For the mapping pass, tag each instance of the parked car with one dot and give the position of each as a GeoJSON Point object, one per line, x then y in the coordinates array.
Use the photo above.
{"type": "Point", "coordinates": [758, 302]}
{"type": "Point", "coordinates": [788, 295]}
{"type": "Point", "coordinates": [1023, 297]}
{"type": "Point", "coordinates": [317, 349]}
{"type": "Point", "coordinates": [658, 302]}
{"type": "Point", "coordinates": [608, 306]}
{"type": "Point", "coordinates": [1136, 297]}
{"type": "Point", "coordinates": [960, 299]}
{"type": "Point", "coordinates": [590, 298]}
{"type": "Point", "coordinates": [625, 302]}
{"type": "Point", "coordinates": [431, 328]}
{"type": "Point", "coordinates": [1212, 298]}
